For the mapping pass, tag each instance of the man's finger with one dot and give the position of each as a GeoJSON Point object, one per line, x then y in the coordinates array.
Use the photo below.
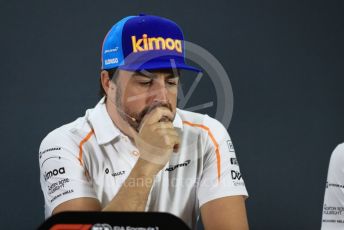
{"type": "Point", "coordinates": [172, 140]}
{"type": "Point", "coordinates": [167, 132]}
{"type": "Point", "coordinates": [156, 115]}
{"type": "Point", "coordinates": [176, 140]}
{"type": "Point", "coordinates": [163, 125]}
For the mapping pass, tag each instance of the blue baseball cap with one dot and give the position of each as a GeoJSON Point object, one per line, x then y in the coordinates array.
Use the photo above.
{"type": "Point", "coordinates": [144, 42]}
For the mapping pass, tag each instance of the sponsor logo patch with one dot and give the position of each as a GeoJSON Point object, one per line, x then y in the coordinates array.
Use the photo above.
{"type": "Point", "coordinates": [155, 43]}
{"type": "Point", "coordinates": [54, 172]}
{"type": "Point", "coordinates": [111, 61]}
{"type": "Point", "coordinates": [236, 175]}
{"type": "Point", "coordinates": [111, 50]}
{"type": "Point", "coordinates": [48, 150]}
{"type": "Point", "coordinates": [186, 163]}
{"type": "Point", "coordinates": [118, 173]}
{"type": "Point", "coordinates": [230, 146]}
{"type": "Point", "coordinates": [334, 185]}
{"type": "Point", "coordinates": [234, 161]}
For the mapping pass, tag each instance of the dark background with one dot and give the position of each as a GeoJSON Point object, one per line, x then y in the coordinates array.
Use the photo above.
{"type": "Point", "coordinates": [285, 60]}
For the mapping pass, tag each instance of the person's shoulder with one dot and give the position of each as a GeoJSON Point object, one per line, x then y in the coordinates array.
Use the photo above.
{"type": "Point", "coordinates": [337, 160]}
{"type": "Point", "coordinates": [338, 154]}
{"type": "Point", "coordinates": [69, 133]}
{"type": "Point", "coordinates": [203, 121]}
{"type": "Point", "coordinates": [191, 117]}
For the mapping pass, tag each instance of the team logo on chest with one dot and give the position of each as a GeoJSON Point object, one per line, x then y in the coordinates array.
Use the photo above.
{"type": "Point", "coordinates": [186, 163]}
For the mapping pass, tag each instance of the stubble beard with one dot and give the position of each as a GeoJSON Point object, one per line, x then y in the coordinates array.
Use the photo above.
{"type": "Point", "coordinates": [124, 113]}
{"type": "Point", "coordinates": [135, 119]}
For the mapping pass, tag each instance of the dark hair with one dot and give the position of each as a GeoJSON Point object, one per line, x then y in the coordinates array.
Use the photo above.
{"type": "Point", "coordinates": [112, 75]}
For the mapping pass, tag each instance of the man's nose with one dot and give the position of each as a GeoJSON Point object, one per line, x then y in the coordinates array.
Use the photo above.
{"type": "Point", "coordinates": [159, 91]}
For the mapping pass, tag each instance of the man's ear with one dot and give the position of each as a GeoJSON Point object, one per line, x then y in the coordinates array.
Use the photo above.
{"type": "Point", "coordinates": [105, 80]}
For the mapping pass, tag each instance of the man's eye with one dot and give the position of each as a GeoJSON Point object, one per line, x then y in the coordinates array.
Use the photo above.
{"type": "Point", "coordinates": [172, 82]}
{"type": "Point", "coordinates": [145, 82]}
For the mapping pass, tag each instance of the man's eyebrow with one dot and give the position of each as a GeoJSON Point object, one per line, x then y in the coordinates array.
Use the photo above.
{"type": "Point", "coordinates": [143, 73]}
{"type": "Point", "coordinates": [171, 75]}
{"type": "Point", "coordinates": [147, 74]}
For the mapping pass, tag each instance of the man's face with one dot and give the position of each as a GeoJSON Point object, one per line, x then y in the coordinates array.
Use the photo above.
{"type": "Point", "coordinates": [138, 93]}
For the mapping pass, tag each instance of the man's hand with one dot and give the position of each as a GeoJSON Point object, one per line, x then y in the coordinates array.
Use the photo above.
{"type": "Point", "coordinates": [156, 139]}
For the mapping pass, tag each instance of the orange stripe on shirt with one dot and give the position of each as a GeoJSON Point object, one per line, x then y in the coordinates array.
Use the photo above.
{"type": "Point", "coordinates": [218, 156]}
{"type": "Point", "coordinates": [83, 142]}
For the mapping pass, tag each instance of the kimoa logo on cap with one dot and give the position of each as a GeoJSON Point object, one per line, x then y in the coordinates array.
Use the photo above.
{"type": "Point", "coordinates": [155, 43]}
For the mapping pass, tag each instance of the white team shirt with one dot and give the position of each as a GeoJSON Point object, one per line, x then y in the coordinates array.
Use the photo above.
{"type": "Point", "coordinates": [91, 157]}
{"type": "Point", "coordinates": [333, 210]}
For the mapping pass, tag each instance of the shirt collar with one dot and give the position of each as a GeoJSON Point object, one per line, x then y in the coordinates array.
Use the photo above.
{"type": "Point", "coordinates": [105, 130]}
{"type": "Point", "coordinates": [177, 122]}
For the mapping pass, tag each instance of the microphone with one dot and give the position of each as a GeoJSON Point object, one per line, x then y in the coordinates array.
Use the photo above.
{"type": "Point", "coordinates": [131, 118]}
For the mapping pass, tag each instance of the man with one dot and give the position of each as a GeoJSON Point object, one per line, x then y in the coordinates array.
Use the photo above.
{"type": "Point", "coordinates": [135, 151]}
{"type": "Point", "coordinates": [333, 209]}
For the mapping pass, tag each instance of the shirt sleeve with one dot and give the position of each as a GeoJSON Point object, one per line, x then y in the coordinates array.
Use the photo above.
{"type": "Point", "coordinates": [62, 176]}
{"type": "Point", "coordinates": [333, 209]}
{"type": "Point", "coordinates": [221, 175]}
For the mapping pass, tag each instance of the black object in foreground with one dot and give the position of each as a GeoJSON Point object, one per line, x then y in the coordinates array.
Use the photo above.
{"type": "Point", "coordinates": [113, 221]}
